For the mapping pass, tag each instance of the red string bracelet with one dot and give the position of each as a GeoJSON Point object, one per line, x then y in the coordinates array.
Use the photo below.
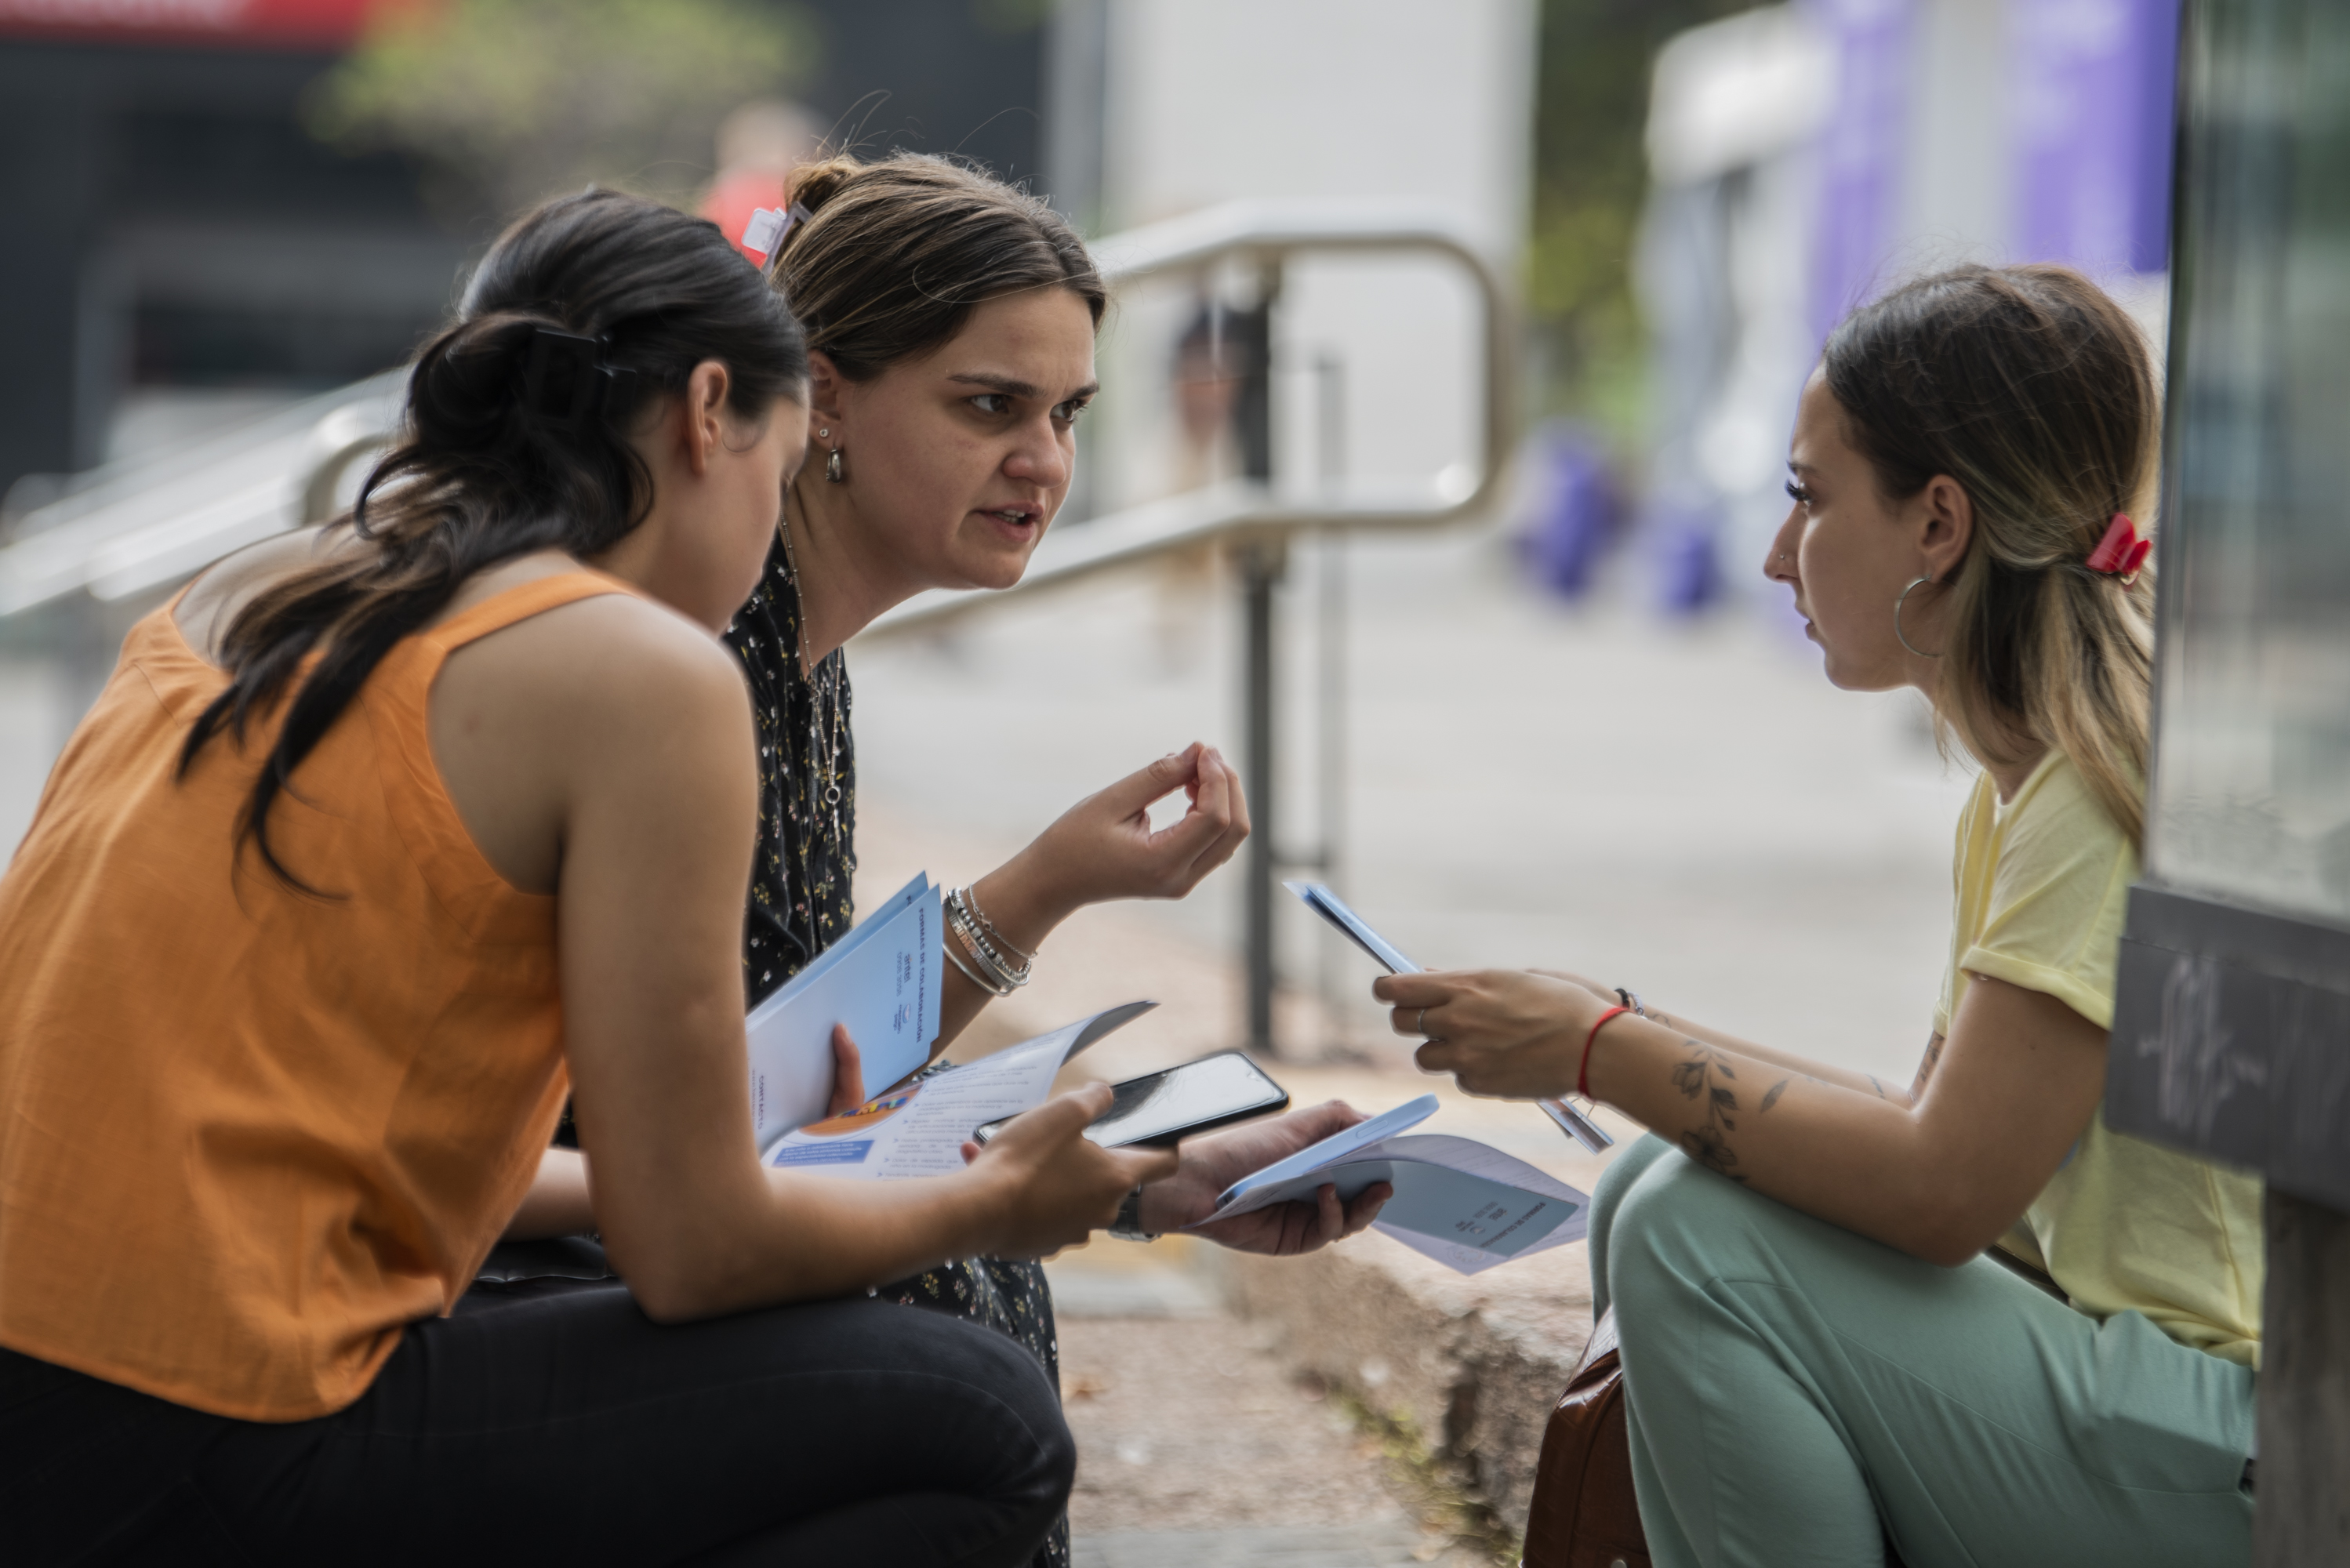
{"type": "Point", "coordinates": [1583, 1073]}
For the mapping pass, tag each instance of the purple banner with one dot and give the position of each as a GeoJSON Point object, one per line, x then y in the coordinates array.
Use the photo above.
{"type": "Point", "coordinates": [1861, 149]}
{"type": "Point", "coordinates": [2093, 82]}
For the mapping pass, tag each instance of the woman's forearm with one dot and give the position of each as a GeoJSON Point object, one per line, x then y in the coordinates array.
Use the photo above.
{"type": "Point", "coordinates": [1024, 909]}
{"type": "Point", "coordinates": [1821, 1072]}
{"type": "Point", "coordinates": [1849, 1153]}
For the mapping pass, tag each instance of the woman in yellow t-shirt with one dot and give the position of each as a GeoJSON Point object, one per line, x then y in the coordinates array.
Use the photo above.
{"type": "Point", "coordinates": [1969, 1317]}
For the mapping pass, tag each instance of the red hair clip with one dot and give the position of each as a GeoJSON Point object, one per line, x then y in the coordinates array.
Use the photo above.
{"type": "Point", "coordinates": [2121, 552]}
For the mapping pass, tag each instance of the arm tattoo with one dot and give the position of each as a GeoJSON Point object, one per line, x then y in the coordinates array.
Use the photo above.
{"type": "Point", "coordinates": [1926, 1068]}
{"type": "Point", "coordinates": [1706, 1077]}
{"type": "Point", "coordinates": [1773, 1097]}
{"type": "Point", "coordinates": [1877, 1087]}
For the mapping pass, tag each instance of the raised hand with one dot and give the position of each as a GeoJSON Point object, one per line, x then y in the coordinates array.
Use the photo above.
{"type": "Point", "coordinates": [1213, 1161]}
{"type": "Point", "coordinates": [1103, 847]}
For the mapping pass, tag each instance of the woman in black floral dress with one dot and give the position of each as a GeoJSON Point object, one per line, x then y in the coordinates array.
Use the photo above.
{"type": "Point", "coordinates": [799, 905]}
{"type": "Point", "coordinates": [950, 320]}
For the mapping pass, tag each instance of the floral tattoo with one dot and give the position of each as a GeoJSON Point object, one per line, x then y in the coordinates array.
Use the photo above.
{"type": "Point", "coordinates": [1708, 1078]}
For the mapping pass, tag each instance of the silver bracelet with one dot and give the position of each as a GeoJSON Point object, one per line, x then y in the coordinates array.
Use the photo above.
{"type": "Point", "coordinates": [1128, 1226]}
{"type": "Point", "coordinates": [987, 927]}
{"type": "Point", "coordinates": [1001, 977]}
{"type": "Point", "coordinates": [993, 988]}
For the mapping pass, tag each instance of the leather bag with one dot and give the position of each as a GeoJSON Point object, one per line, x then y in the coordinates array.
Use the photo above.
{"type": "Point", "coordinates": [1583, 1514]}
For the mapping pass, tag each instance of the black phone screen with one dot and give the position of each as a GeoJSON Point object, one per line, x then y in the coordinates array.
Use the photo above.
{"type": "Point", "coordinates": [1161, 1108]}
{"type": "Point", "coordinates": [1193, 1098]}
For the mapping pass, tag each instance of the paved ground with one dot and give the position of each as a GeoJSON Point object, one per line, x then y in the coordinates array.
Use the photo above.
{"type": "Point", "coordinates": [1199, 1447]}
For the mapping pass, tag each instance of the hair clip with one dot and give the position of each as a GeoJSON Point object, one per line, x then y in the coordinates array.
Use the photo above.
{"type": "Point", "coordinates": [2121, 552]}
{"type": "Point", "coordinates": [564, 383]}
{"type": "Point", "coordinates": [767, 230]}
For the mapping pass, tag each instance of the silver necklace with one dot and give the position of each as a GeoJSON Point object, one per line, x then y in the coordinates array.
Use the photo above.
{"type": "Point", "coordinates": [823, 685]}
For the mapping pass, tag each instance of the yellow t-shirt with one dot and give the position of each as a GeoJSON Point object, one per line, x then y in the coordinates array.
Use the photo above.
{"type": "Point", "coordinates": [2043, 886]}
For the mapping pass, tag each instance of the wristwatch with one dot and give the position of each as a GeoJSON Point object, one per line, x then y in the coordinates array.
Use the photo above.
{"type": "Point", "coordinates": [1128, 1226]}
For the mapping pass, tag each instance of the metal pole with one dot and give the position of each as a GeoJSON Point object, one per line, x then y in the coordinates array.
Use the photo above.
{"type": "Point", "coordinates": [1260, 565]}
{"type": "Point", "coordinates": [1262, 562]}
{"type": "Point", "coordinates": [1334, 972]}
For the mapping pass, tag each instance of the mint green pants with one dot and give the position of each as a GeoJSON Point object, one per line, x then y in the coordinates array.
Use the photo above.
{"type": "Point", "coordinates": [1797, 1392]}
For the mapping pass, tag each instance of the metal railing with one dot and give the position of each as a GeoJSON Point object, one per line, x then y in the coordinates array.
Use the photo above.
{"type": "Point", "coordinates": [131, 529]}
{"type": "Point", "coordinates": [1269, 233]}
{"type": "Point", "coordinates": [1255, 519]}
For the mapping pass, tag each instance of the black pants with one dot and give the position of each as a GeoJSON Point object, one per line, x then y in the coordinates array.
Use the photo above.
{"type": "Point", "coordinates": [555, 1422]}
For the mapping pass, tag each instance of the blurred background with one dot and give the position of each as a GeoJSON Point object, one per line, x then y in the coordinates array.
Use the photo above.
{"type": "Point", "coordinates": [1573, 725]}
{"type": "Point", "coordinates": [1446, 400]}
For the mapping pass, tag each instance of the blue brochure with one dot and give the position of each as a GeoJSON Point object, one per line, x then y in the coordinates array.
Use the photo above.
{"type": "Point", "coordinates": [1464, 1204]}
{"type": "Point", "coordinates": [882, 979]}
{"type": "Point", "coordinates": [1331, 1150]}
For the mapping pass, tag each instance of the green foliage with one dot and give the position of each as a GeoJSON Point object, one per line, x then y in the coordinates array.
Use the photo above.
{"type": "Point", "coordinates": [520, 99]}
{"type": "Point", "coordinates": [1591, 173]}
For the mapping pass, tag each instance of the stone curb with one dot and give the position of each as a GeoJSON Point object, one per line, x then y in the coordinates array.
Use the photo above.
{"type": "Point", "coordinates": [1474, 1365]}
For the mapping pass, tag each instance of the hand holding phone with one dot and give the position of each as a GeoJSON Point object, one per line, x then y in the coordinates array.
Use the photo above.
{"type": "Point", "coordinates": [1159, 1110]}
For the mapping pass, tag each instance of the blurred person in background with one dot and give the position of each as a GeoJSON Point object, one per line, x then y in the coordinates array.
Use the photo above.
{"type": "Point", "coordinates": [951, 322]}
{"type": "Point", "coordinates": [1968, 1317]}
{"type": "Point", "coordinates": [378, 838]}
{"type": "Point", "coordinates": [759, 145]}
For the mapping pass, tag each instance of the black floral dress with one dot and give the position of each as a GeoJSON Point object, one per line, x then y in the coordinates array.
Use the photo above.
{"type": "Point", "coordinates": [800, 905]}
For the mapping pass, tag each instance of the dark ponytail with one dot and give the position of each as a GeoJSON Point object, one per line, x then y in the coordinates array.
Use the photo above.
{"type": "Point", "coordinates": [622, 298]}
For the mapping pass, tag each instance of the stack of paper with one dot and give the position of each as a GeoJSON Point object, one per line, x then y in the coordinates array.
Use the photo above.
{"type": "Point", "coordinates": [919, 1130]}
{"type": "Point", "coordinates": [882, 979]}
{"type": "Point", "coordinates": [1463, 1203]}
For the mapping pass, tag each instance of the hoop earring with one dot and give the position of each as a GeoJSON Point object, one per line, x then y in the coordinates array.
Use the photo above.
{"type": "Point", "coordinates": [832, 470]}
{"type": "Point", "coordinates": [1896, 618]}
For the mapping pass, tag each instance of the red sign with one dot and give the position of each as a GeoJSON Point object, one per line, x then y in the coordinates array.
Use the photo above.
{"type": "Point", "coordinates": [247, 24]}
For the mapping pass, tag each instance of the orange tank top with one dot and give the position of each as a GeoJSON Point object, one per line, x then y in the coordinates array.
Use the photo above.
{"type": "Point", "coordinates": [248, 1133]}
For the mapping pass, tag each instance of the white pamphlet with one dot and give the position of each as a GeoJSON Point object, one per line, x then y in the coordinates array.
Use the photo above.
{"type": "Point", "coordinates": [920, 1130]}
{"type": "Point", "coordinates": [882, 979]}
{"type": "Point", "coordinates": [1463, 1203]}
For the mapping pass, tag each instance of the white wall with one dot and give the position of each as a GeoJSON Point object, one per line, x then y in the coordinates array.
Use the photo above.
{"type": "Point", "coordinates": [1215, 100]}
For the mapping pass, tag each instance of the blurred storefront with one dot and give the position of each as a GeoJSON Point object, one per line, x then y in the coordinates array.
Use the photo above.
{"type": "Point", "coordinates": [185, 254]}
{"type": "Point", "coordinates": [1806, 157]}
{"type": "Point", "coordinates": [171, 225]}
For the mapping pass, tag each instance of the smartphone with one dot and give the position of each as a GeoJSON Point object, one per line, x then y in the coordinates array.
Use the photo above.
{"type": "Point", "coordinates": [1155, 1110]}
{"type": "Point", "coordinates": [1332, 909]}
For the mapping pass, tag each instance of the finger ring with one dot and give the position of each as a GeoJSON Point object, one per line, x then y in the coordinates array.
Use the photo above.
{"type": "Point", "coordinates": [1423, 1025]}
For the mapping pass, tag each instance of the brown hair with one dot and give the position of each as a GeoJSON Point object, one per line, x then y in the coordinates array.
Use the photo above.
{"type": "Point", "coordinates": [896, 254]}
{"type": "Point", "coordinates": [2037, 393]}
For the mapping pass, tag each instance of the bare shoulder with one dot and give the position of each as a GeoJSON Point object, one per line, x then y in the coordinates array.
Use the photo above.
{"type": "Point", "coordinates": [228, 586]}
{"type": "Point", "coordinates": [613, 669]}
{"type": "Point", "coordinates": [599, 712]}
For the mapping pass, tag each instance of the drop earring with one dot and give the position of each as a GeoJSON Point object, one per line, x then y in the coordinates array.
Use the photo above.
{"type": "Point", "coordinates": [832, 470]}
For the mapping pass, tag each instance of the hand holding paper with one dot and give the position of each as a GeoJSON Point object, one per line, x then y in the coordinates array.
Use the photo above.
{"type": "Point", "coordinates": [1467, 1206]}
{"type": "Point", "coordinates": [1214, 1161]}
{"type": "Point", "coordinates": [881, 983]}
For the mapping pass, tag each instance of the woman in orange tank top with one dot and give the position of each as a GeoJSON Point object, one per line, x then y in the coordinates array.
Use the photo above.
{"type": "Point", "coordinates": [425, 824]}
